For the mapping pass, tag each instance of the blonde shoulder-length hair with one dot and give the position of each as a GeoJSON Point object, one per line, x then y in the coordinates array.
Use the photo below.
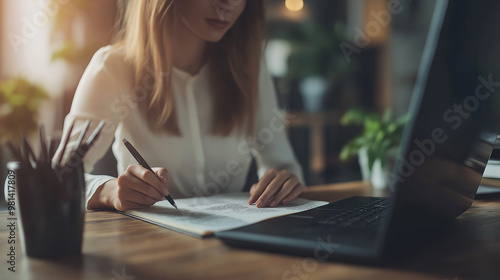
{"type": "Point", "coordinates": [145, 35]}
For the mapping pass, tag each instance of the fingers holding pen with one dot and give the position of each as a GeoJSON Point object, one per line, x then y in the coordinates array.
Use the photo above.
{"type": "Point", "coordinates": [145, 181]}
{"type": "Point", "coordinates": [162, 174]}
{"type": "Point", "coordinates": [138, 187]}
{"type": "Point", "coordinates": [132, 199]}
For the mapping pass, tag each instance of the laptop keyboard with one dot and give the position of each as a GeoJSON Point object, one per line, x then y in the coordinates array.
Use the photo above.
{"type": "Point", "coordinates": [366, 216]}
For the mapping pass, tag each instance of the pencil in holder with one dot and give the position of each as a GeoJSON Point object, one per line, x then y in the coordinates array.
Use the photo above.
{"type": "Point", "coordinates": [51, 196]}
{"type": "Point", "coordinates": [51, 209]}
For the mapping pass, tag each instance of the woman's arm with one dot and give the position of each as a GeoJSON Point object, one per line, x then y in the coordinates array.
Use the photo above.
{"type": "Point", "coordinates": [104, 82]}
{"type": "Point", "coordinates": [101, 94]}
{"type": "Point", "coordinates": [137, 187]}
{"type": "Point", "coordinates": [280, 174]}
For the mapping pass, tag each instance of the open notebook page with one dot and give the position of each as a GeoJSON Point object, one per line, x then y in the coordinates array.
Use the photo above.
{"type": "Point", "coordinates": [202, 216]}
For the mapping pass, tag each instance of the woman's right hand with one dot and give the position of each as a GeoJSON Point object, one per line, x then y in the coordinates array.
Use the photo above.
{"type": "Point", "coordinates": [136, 188]}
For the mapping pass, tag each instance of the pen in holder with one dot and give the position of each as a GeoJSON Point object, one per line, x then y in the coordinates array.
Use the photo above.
{"type": "Point", "coordinates": [51, 196]}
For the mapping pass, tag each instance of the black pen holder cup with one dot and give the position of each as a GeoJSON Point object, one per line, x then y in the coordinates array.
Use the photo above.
{"type": "Point", "coordinates": [52, 207]}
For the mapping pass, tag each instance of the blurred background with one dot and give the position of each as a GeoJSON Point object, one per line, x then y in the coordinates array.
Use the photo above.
{"type": "Point", "coordinates": [326, 57]}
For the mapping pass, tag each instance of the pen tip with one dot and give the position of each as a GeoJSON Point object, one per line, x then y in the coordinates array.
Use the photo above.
{"type": "Point", "coordinates": [175, 206]}
{"type": "Point", "coordinates": [125, 140]}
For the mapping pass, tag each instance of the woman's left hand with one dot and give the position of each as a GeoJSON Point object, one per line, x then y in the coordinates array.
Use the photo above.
{"type": "Point", "coordinates": [274, 188]}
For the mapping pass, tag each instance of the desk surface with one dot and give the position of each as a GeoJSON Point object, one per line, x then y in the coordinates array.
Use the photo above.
{"type": "Point", "coordinates": [119, 247]}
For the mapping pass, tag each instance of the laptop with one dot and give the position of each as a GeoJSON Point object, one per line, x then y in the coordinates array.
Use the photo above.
{"type": "Point", "coordinates": [454, 123]}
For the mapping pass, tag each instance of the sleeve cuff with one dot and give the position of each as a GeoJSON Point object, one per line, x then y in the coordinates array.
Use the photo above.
{"type": "Point", "coordinates": [92, 183]}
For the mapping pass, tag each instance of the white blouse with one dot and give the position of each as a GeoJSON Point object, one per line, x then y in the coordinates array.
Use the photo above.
{"type": "Point", "coordinates": [199, 163]}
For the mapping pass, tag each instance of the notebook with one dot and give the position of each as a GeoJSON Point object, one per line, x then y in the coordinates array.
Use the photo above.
{"type": "Point", "coordinates": [203, 216]}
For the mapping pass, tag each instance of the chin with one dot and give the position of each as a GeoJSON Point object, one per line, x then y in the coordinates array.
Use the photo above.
{"type": "Point", "coordinates": [213, 37]}
{"type": "Point", "coordinates": [213, 40]}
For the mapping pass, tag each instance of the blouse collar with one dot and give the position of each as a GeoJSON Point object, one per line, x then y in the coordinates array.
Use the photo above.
{"type": "Point", "coordinates": [185, 76]}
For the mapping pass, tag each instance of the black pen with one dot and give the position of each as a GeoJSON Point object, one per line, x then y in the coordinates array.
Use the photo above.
{"type": "Point", "coordinates": [144, 164]}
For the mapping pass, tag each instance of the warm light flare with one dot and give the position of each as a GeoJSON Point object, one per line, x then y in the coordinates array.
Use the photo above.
{"type": "Point", "coordinates": [294, 5]}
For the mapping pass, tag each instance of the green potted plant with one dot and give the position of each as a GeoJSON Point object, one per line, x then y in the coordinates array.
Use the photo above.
{"type": "Point", "coordinates": [376, 145]}
{"type": "Point", "coordinates": [19, 104]}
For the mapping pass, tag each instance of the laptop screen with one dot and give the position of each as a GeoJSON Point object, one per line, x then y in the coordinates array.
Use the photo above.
{"type": "Point", "coordinates": [455, 112]}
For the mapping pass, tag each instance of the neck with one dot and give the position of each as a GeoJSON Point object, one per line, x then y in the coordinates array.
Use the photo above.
{"type": "Point", "coordinates": [188, 51]}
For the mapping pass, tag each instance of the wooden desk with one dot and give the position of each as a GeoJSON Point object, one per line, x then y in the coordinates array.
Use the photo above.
{"type": "Point", "coordinates": [116, 246]}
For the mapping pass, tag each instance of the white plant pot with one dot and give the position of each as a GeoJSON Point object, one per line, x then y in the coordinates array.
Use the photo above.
{"type": "Point", "coordinates": [363, 164]}
{"type": "Point", "coordinates": [377, 175]}
{"type": "Point", "coordinates": [313, 90]}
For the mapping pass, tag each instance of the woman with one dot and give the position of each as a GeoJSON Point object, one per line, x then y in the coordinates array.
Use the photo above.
{"type": "Point", "coordinates": [186, 85]}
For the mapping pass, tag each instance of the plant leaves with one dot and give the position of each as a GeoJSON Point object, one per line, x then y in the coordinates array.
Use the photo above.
{"type": "Point", "coordinates": [380, 134]}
